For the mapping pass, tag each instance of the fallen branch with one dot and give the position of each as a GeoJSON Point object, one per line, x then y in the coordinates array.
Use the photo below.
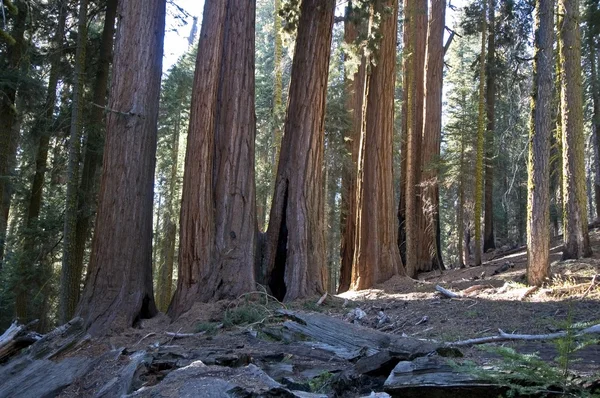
{"type": "Point", "coordinates": [474, 288]}
{"type": "Point", "coordinates": [183, 335]}
{"type": "Point", "coordinates": [322, 299]}
{"type": "Point", "coordinates": [447, 292]}
{"type": "Point", "coordinates": [502, 336]}
{"type": "Point", "coordinates": [529, 292]}
{"type": "Point", "coordinates": [589, 289]}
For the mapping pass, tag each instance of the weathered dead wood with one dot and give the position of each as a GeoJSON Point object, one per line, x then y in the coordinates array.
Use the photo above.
{"type": "Point", "coordinates": [507, 252]}
{"type": "Point", "coordinates": [124, 382]}
{"type": "Point", "coordinates": [352, 341]}
{"type": "Point", "coordinates": [15, 338]}
{"type": "Point", "coordinates": [529, 292]}
{"type": "Point", "coordinates": [433, 377]}
{"type": "Point", "coordinates": [183, 335]}
{"type": "Point", "coordinates": [322, 299]}
{"type": "Point", "coordinates": [475, 288]}
{"type": "Point", "coordinates": [502, 336]}
{"type": "Point", "coordinates": [447, 292]}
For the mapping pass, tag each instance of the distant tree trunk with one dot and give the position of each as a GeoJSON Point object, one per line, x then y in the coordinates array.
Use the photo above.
{"type": "Point", "coordinates": [432, 129]}
{"type": "Point", "coordinates": [118, 290]}
{"type": "Point", "coordinates": [295, 247]}
{"type": "Point", "coordinates": [218, 227]}
{"type": "Point", "coordinates": [538, 199]}
{"type": "Point", "coordinates": [278, 110]}
{"type": "Point", "coordinates": [164, 285]}
{"type": "Point", "coordinates": [408, 206]}
{"type": "Point", "coordinates": [41, 133]}
{"type": "Point", "coordinates": [480, 142]}
{"type": "Point", "coordinates": [9, 134]}
{"type": "Point", "coordinates": [69, 277]}
{"type": "Point", "coordinates": [355, 93]}
{"type": "Point", "coordinates": [94, 144]}
{"type": "Point", "coordinates": [594, 59]}
{"type": "Point", "coordinates": [489, 241]}
{"type": "Point", "coordinates": [577, 243]}
{"type": "Point", "coordinates": [376, 253]}
{"type": "Point", "coordinates": [463, 257]}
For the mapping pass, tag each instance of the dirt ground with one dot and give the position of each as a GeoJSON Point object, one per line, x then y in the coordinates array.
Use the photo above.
{"type": "Point", "coordinates": [497, 300]}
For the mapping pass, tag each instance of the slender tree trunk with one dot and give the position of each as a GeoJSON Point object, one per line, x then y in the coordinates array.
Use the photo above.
{"type": "Point", "coordinates": [432, 129]}
{"type": "Point", "coordinates": [278, 110]}
{"type": "Point", "coordinates": [463, 258]}
{"type": "Point", "coordinates": [480, 142]}
{"type": "Point", "coordinates": [355, 94]}
{"type": "Point", "coordinates": [9, 134]}
{"type": "Point", "coordinates": [69, 277]}
{"type": "Point", "coordinates": [376, 255]}
{"type": "Point", "coordinates": [489, 241]}
{"type": "Point", "coordinates": [118, 290]}
{"type": "Point", "coordinates": [164, 283]}
{"type": "Point", "coordinates": [218, 216]}
{"type": "Point", "coordinates": [94, 144]}
{"type": "Point", "coordinates": [408, 205]}
{"type": "Point", "coordinates": [538, 199]}
{"type": "Point", "coordinates": [577, 243]}
{"type": "Point", "coordinates": [295, 247]}
{"type": "Point", "coordinates": [594, 59]}
{"type": "Point", "coordinates": [41, 132]}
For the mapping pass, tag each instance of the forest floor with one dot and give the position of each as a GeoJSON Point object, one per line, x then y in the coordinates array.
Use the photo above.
{"type": "Point", "coordinates": [245, 331]}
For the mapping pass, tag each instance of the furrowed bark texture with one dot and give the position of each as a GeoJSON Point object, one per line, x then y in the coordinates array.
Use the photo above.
{"type": "Point", "coordinates": [538, 199]}
{"type": "Point", "coordinates": [490, 103]}
{"type": "Point", "coordinates": [355, 93]}
{"type": "Point", "coordinates": [576, 238]}
{"type": "Point", "coordinates": [479, 172]}
{"type": "Point", "coordinates": [94, 144]}
{"type": "Point", "coordinates": [118, 288]}
{"type": "Point", "coordinates": [68, 275]}
{"type": "Point", "coordinates": [295, 247]}
{"type": "Point", "coordinates": [218, 229]}
{"type": "Point", "coordinates": [377, 256]}
{"type": "Point", "coordinates": [432, 129]}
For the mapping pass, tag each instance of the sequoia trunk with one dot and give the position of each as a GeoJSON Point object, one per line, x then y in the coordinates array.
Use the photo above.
{"type": "Point", "coordinates": [118, 290]}
{"type": "Point", "coordinates": [295, 247]}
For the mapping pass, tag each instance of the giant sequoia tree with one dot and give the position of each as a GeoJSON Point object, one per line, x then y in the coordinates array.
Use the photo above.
{"type": "Point", "coordinates": [538, 199]}
{"type": "Point", "coordinates": [295, 247]}
{"type": "Point", "coordinates": [376, 253]}
{"type": "Point", "coordinates": [118, 289]}
{"type": "Point", "coordinates": [218, 211]}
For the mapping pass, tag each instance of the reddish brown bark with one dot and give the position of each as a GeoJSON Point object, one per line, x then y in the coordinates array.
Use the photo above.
{"type": "Point", "coordinates": [218, 214]}
{"type": "Point", "coordinates": [432, 129]}
{"type": "Point", "coordinates": [355, 93]}
{"type": "Point", "coordinates": [94, 144]}
{"type": "Point", "coordinates": [295, 247]}
{"type": "Point", "coordinates": [377, 256]}
{"type": "Point", "coordinates": [118, 289]}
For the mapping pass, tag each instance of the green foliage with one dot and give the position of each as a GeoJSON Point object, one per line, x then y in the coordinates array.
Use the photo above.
{"type": "Point", "coordinates": [528, 374]}
{"type": "Point", "coordinates": [320, 383]}
{"type": "Point", "coordinates": [209, 328]}
{"type": "Point", "coordinates": [245, 314]}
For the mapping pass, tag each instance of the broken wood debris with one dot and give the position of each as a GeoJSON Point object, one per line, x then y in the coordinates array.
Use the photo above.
{"type": "Point", "coordinates": [503, 336]}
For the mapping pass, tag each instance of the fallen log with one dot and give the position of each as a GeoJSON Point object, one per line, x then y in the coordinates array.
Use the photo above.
{"type": "Point", "coordinates": [448, 293]}
{"type": "Point", "coordinates": [351, 341]}
{"type": "Point", "coordinates": [433, 377]}
{"type": "Point", "coordinates": [15, 338]}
